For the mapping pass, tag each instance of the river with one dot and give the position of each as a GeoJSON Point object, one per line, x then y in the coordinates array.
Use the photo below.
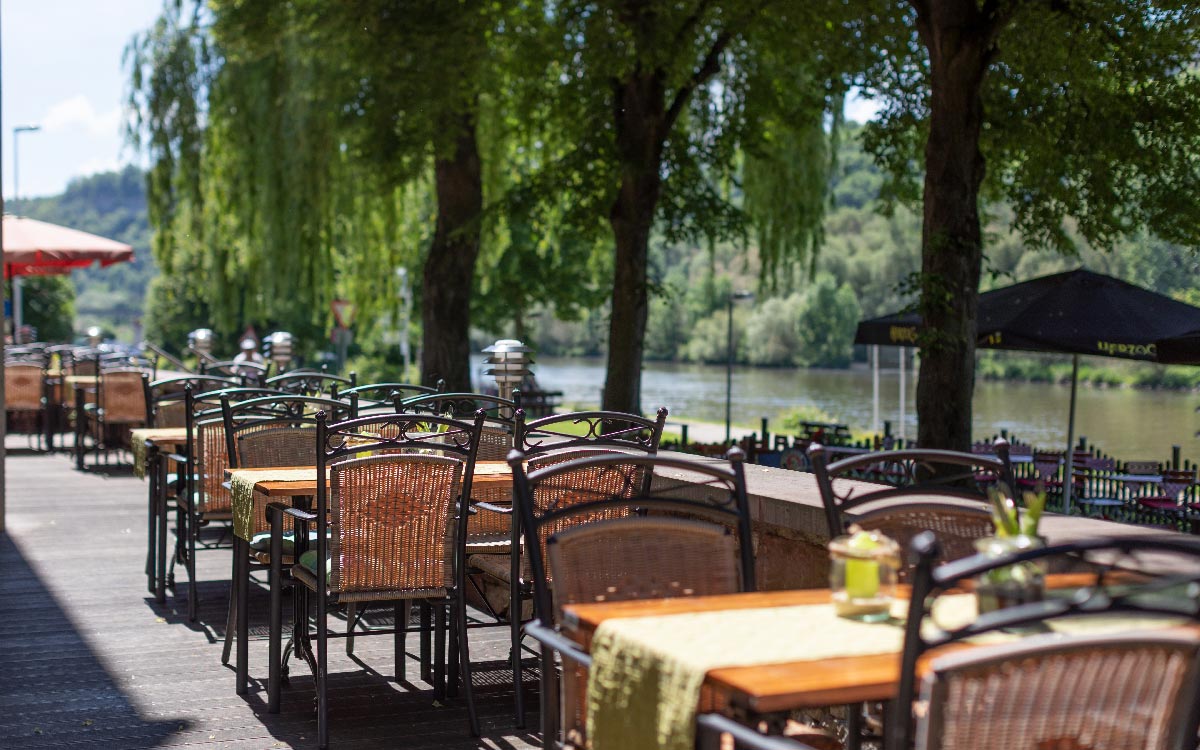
{"type": "Point", "coordinates": [1126, 423]}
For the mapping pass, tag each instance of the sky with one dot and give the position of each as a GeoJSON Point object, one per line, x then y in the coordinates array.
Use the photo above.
{"type": "Point", "coordinates": [62, 70]}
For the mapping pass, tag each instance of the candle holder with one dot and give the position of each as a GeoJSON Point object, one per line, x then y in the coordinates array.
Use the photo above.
{"type": "Point", "coordinates": [862, 574]}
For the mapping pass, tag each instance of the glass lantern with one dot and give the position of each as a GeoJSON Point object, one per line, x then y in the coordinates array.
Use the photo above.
{"type": "Point", "coordinates": [862, 574]}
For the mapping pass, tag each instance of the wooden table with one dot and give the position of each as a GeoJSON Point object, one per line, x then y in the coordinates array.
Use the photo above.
{"type": "Point", "coordinates": [767, 689]}
{"type": "Point", "coordinates": [487, 474]}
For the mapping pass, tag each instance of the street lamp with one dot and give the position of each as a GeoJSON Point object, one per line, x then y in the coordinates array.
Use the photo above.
{"type": "Point", "coordinates": [733, 297]}
{"type": "Point", "coordinates": [18, 282]}
{"type": "Point", "coordinates": [509, 361]}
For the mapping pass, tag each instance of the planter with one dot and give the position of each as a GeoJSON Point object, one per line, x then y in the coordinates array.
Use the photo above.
{"type": "Point", "coordinates": [1012, 585]}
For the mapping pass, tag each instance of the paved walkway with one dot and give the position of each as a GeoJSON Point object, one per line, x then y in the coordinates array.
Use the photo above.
{"type": "Point", "coordinates": [90, 661]}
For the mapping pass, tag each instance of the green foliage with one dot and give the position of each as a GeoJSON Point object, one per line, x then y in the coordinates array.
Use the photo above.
{"type": "Point", "coordinates": [829, 315]}
{"type": "Point", "coordinates": [49, 306]}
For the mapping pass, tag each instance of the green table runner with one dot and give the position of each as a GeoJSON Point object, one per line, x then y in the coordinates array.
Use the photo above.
{"type": "Point", "coordinates": [139, 449]}
{"type": "Point", "coordinates": [241, 483]}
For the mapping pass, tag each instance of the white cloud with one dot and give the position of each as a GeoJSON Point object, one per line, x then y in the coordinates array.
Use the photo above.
{"type": "Point", "coordinates": [77, 113]}
{"type": "Point", "coordinates": [92, 166]}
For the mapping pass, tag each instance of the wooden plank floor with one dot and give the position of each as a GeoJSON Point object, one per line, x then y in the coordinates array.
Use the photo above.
{"type": "Point", "coordinates": [88, 660]}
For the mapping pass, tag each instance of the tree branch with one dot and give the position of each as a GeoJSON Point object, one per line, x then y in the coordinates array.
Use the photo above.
{"type": "Point", "coordinates": [709, 68]}
{"type": "Point", "coordinates": [689, 23]}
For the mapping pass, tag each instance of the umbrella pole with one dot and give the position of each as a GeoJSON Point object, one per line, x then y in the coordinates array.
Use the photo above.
{"type": "Point", "coordinates": [875, 388]}
{"type": "Point", "coordinates": [17, 302]}
{"type": "Point", "coordinates": [1068, 478]}
{"type": "Point", "coordinates": [903, 389]}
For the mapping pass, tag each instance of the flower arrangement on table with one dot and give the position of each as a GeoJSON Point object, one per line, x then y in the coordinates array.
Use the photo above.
{"type": "Point", "coordinates": [1015, 532]}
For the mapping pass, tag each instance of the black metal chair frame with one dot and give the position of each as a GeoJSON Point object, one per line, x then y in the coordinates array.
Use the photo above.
{"type": "Point", "coordinates": [375, 396]}
{"type": "Point", "coordinates": [1115, 556]}
{"type": "Point", "coordinates": [460, 439]}
{"type": "Point", "coordinates": [733, 510]}
{"type": "Point", "coordinates": [307, 383]}
{"type": "Point", "coordinates": [917, 467]}
{"type": "Point", "coordinates": [535, 438]}
{"type": "Point", "coordinates": [173, 389]}
{"type": "Point", "coordinates": [249, 374]}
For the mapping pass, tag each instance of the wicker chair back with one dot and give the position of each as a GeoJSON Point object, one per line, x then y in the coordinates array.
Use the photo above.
{"type": "Point", "coordinates": [24, 386]}
{"type": "Point", "coordinates": [1135, 689]}
{"type": "Point", "coordinates": [122, 397]}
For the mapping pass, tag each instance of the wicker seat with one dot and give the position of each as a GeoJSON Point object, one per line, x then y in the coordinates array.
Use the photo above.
{"type": "Point", "coordinates": [554, 439]}
{"type": "Point", "coordinates": [605, 528]}
{"type": "Point", "coordinates": [388, 529]}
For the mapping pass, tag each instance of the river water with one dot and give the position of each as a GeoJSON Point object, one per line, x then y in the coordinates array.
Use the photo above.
{"type": "Point", "coordinates": [1126, 423]}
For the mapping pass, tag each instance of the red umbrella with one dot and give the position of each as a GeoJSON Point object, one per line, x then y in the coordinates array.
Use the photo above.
{"type": "Point", "coordinates": [36, 248]}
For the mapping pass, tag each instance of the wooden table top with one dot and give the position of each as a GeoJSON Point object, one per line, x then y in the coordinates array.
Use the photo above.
{"type": "Point", "coordinates": [164, 437]}
{"type": "Point", "coordinates": [771, 688]}
{"type": "Point", "coordinates": [487, 474]}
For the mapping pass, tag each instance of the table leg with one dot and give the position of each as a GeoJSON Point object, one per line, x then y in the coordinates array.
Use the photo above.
{"type": "Point", "coordinates": [243, 620]}
{"type": "Point", "coordinates": [276, 624]}
{"type": "Point", "coordinates": [160, 583]}
{"type": "Point", "coordinates": [152, 517]}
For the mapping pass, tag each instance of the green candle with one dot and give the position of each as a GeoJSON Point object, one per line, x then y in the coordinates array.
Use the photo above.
{"type": "Point", "coordinates": [862, 574]}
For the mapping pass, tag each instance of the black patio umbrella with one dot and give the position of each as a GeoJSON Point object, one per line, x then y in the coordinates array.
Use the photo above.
{"type": "Point", "coordinates": [1075, 312]}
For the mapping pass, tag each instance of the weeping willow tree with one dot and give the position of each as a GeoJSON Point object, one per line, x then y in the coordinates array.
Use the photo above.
{"type": "Point", "coordinates": [304, 151]}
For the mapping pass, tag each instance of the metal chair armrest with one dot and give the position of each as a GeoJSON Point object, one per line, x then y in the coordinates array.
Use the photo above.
{"type": "Point", "coordinates": [288, 510]}
{"type": "Point", "coordinates": [559, 642]}
{"type": "Point", "coordinates": [493, 508]}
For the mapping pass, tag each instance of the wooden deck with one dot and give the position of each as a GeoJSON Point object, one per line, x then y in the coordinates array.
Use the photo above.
{"type": "Point", "coordinates": [89, 660]}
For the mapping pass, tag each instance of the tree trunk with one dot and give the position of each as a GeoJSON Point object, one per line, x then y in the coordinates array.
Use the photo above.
{"type": "Point", "coordinates": [640, 118]}
{"type": "Point", "coordinates": [449, 272]}
{"type": "Point", "coordinates": [958, 38]}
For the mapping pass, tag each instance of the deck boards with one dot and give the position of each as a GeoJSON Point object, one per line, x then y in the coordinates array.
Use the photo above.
{"type": "Point", "coordinates": [88, 660]}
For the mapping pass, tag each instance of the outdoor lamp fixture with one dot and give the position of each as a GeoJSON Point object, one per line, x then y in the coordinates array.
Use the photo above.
{"type": "Point", "coordinates": [508, 362]}
{"type": "Point", "coordinates": [279, 349]}
{"type": "Point", "coordinates": [201, 341]}
{"type": "Point", "coordinates": [94, 336]}
{"type": "Point", "coordinates": [26, 334]}
{"type": "Point", "coordinates": [733, 297]}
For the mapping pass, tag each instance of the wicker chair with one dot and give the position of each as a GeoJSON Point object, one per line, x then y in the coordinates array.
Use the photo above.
{"type": "Point", "coordinates": [120, 405]}
{"type": "Point", "coordinates": [557, 435]}
{"type": "Point", "coordinates": [25, 398]}
{"type": "Point", "coordinates": [311, 383]}
{"type": "Point", "coordinates": [1135, 689]}
{"type": "Point", "coordinates": [388, 529]}
{"type": "Point", "coordinates": [271, 431]}
{"type": "Point", "coordinates": [607, 528]}
{"type": "Point", "coordinates": [910, 504]}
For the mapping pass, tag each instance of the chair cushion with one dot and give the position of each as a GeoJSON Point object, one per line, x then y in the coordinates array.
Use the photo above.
{"type": "Point", "coordinates": [309, 561]}
{"type": "Point", "coordinates": [261, 542]}
{"type": "Point", "coordinates": [497, 566]}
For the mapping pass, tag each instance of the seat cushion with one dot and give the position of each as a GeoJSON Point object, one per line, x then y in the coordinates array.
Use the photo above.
{"type": "Point", "coordinates": [497, 566]}
{"type": "Point", "coordinates": [261, 542]}
{"type": "Point", "coordinates": [309, 561]}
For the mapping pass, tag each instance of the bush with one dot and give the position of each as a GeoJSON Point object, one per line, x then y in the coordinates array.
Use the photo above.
{"type": "Point", "coordinates": [827, 324]}
{"type": "Point", "coordinates": [772, 332]}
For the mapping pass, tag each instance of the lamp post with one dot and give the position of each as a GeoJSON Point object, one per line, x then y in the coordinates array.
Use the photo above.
{"type": "Point", "coordinates": [18, 282]}
{"type": "Point", "coordinates": [404, 293]}
{"type": "Point", "coordinates": [279, 350]}
{"type": "Point", "coordinates": [508, 360]}
{"type": "Point", "coordinates": [733, 297]}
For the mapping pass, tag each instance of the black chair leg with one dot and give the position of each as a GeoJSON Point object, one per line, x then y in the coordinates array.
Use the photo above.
{"type": "Point", "coordinates": [193, 529]}
{"type": "Point", "coordinates": [351, 616]}
{"type": "Point", "coordinates": [243, 619]}
{"type": "Point", "coordinates": [549, 700]}
{"type": "Point", "coordinates": [464, 660]}
{"type": "Point", "coordinates": [439, 650]}
{"type": "Point", "coordinates": [514, 624]}
{"type": "Point", "coordinates": [426, 636]}
{"type": "Point", "coordinates": [402, 610]}
{"type": "Point", "coordinates": [275, 644]}
{"type": "Point", "coordinates": [322, 673]}
{"type": "Point", "coordinates": [452, 669]}
{"type": "Point", "coordinates": [231, 617]}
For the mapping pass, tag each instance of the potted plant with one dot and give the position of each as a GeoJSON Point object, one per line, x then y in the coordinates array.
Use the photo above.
{"type": "Point", "coordinates": [1019, 583]}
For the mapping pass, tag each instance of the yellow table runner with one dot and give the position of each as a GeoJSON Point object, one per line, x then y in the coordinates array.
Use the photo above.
{"type": "Point", "coordinates": [241, 484]}
{"type": "Point", "coordinates": [646, 674]}
{"type": "Point", "coordinates": [137, 445]}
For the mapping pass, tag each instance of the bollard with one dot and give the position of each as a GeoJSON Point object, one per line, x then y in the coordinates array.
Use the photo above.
{"type": "Point", "coordinates": [683, 441]}
{"type": "Point", "coordinates": [766, 436]}
{"type": "Point", "coordinates": [1175, 457]}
